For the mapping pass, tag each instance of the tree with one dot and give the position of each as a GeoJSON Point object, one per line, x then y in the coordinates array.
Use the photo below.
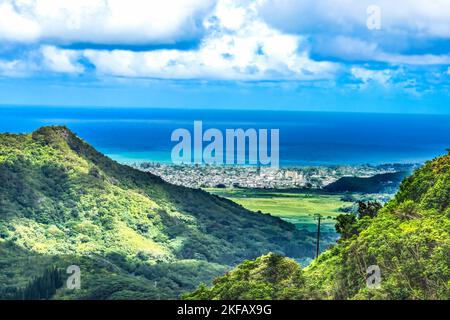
{"type": "Point", "coordinates": [369, 209]}
{"type": "Point", "coordinates": [40, 288]}
{"type": "Point", "coordinates": [346, 225]}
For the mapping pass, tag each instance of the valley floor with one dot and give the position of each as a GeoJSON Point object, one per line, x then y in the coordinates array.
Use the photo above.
{"type": "Point", "coordinates": [299, 207]}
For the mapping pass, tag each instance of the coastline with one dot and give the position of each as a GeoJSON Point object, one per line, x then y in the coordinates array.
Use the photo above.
{"type": "Point", "coordinates": [260, 177]}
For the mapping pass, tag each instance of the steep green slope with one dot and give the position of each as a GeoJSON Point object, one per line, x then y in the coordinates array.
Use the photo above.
{"type": "Point", "coordinates": [63, 203]}
{"type": "Point", "coordinates": [270, 277]}
{"type": "Point", "coordinates": [409, 240]}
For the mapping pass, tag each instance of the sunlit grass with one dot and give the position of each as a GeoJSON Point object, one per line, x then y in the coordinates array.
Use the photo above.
{"type": "Point", "coordinates": [297, 208]}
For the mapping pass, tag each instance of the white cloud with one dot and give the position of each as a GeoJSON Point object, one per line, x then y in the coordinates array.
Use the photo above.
{"type": "Point", "coordinates": [367, 76]}
{"type": "Point", "coordinates": [156, 21]}
{"type": "Point", "coordinates": [236, 43]}
{"type": "Point", "coordinates": [238, 46]}
{"type": "Point", "coordinates": [62, 61]}
{"type": "Point", "coordinates": [416, 17]}
{"type": "Point", "coordinates": [102, 21]}
{"type": "Point", "coordinates": [13, 68]}
{"type": "Point", "coordinates": [354, 50]}
{"type": "Point", "coordinates": [44, 59]}
{"type": "Point", "coordinates": [338, 28]}
{"type": "Point", "coordinates": [15, 27]}
{"type": "Point", "coordinates": [414, 59]}
{"type": "Point", "coordinates": [238, 40]}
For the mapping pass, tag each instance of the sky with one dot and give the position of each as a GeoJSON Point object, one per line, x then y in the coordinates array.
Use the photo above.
{"type": "Point", "coordinates": [319, 55]}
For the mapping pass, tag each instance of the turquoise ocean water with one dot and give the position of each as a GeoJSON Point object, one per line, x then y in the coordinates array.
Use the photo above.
{"type": "Point", "coordinates": [306, 138]}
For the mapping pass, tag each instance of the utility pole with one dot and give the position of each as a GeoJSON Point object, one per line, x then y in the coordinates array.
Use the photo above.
{"type": "Point", "coordinates": [318, 217]}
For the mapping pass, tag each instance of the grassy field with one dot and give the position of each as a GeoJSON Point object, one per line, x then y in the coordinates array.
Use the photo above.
{"type": "Point", "coordinates": [298, 208]}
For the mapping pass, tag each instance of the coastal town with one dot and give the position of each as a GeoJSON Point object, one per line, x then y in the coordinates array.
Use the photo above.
{"type": "Point", "coordinates": [311, 177]}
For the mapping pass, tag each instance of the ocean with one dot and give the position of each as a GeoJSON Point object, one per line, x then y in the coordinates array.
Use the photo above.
{"type": "Point", "coordinates": [306, 138]}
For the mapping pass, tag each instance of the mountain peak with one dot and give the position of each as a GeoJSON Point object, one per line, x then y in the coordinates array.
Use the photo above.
{"type": "Point", "coordinates": [52, 134]}
{"type": "Point", "coordinates": [61, 137]}
{"type": "Point", "coordinates": [55, 129]}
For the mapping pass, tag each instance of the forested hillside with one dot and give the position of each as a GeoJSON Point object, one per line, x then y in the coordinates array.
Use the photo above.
{"type": "Point", "coordinates": [63, 203]}
{"type": "Point", "coordinates": [408, 239]}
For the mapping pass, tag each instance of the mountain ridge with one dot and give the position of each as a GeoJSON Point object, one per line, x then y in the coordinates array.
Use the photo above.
{"type": "Point", "coordinates": [62, 200]}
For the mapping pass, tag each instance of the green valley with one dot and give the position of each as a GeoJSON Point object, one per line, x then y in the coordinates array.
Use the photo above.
{"type": "Point", "coordinates": [299, 206]}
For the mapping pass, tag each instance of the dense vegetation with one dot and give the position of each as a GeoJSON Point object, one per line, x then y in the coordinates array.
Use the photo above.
{"type": "Point", "coordinates": [409, 239]}
{"type": "Point", "coordinates": [42, 287]}
{"type": "Point", "coordinates": [267, 278]}
{"type": "Point", "coordinates": [134, 236]}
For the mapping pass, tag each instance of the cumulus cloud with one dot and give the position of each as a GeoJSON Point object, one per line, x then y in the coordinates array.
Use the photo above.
{"type": "Point", "coordinates": [414, 17]}
{"type": "Point", "coordinates": [367, 76]}
{"type": "Point", "coordinates": [358, 50]}
{"type": "Point", "coordinates": [44, 59]}
{"type": "Point", "coordinates": [338, 28]}
{"type": "Point", "coordinates": [63, 61]}
{"type": "Point", "coordinates": [16, 27]}
{"type": "Point", "coordinates": [400, 79]}
{"type": "Point", "coordinates": [239, 46]}
{"type": "Point", "coordinates": [414, 59]}
{"type": "Point", "coordinates": [236, 43]}
{"type": "Point", "coordinates": [102, 21]}
{"type": "Point", "coordinates": [244, 40]}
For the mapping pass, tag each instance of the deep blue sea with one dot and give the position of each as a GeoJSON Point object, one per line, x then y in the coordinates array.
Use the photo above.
{"type": "Point", "coordinates": [306, 138]}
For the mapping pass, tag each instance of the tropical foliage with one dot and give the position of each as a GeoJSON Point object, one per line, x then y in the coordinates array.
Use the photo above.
{"type": "Point", "coordinates": [133, 235]}
{"type": "Point", "coordinates": [408, 239]}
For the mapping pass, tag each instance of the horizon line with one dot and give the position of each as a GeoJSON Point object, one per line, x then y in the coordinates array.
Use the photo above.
{"type": "Point", "coordinates": [12, 105]}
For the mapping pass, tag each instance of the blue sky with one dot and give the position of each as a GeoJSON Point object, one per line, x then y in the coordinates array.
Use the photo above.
{"type": "Point", "coordinates": [326, 55]}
